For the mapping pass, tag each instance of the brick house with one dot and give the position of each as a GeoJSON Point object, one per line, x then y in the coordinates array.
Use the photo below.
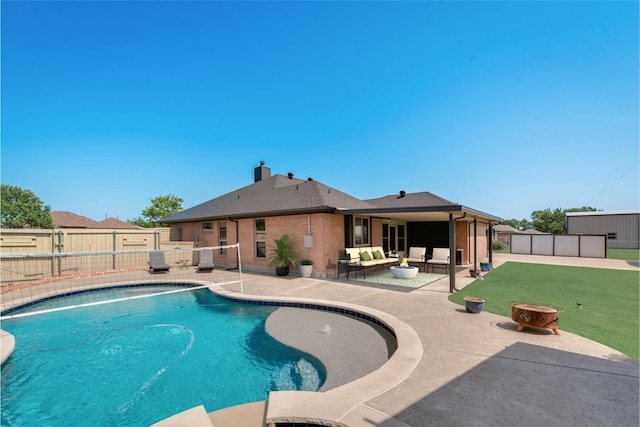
{"type": "Point", "coordinates": [322, 221]}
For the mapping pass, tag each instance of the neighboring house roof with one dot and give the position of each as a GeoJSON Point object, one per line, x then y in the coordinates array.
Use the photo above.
{"type": "Point", "coordinates": [275, 195]}
{"type": "Point", "coordinates": [114, 223]}
{"type": "Point", "coordinates": [281, 195]}
{"type": "Point", "coordinates": [532, 231]}
{"type": "Point", "coordinates": [65, 219]}
{"type": "Point", "coordinates": [504, 228]}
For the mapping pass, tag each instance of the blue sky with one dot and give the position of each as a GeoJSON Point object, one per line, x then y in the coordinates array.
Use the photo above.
{"type": "Point", "coordinates": [505, 107]}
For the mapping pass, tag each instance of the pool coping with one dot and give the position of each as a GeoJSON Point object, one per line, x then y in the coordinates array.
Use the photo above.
{"type": "Point", "coordinates": [336, 406]}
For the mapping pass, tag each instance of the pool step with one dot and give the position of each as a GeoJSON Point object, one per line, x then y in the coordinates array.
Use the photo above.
{"type": "Point", "coordinates": [247, 415]}
{"type": "Point", "coordinates": [194, 417]}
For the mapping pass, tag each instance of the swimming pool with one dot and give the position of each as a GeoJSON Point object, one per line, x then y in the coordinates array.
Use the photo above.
{"type": "Point", "coordinates": [137, 362]}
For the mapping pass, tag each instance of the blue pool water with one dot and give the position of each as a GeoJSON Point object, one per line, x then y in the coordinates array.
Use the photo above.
{"type": "Point", "coordinates": [137, 362]}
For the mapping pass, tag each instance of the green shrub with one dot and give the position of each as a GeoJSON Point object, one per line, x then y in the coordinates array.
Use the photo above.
{"type": "Point", "coordinates": [498, 245]}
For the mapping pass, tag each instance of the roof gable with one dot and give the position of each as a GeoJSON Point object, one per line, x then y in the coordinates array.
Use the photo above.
{"type": "Point", "coordinates": [505, 228]}
{"type": "Point", "coordinates": [114, 223]}
{"type": "Point", "coordinates": [66, 219]}
{"type": "Point", "coordinates": [271, 196]}
{"type": "Point", "coordinates": [404, 200]}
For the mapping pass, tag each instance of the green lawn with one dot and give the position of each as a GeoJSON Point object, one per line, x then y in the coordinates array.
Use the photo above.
{"type": "Point", "coordinates": [625, 254]}
{"type": "Point", "coordinates": [609, 298]}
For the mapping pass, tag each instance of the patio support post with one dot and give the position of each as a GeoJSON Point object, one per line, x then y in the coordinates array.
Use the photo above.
{"type": "Point", "coordinates": [452, 254]}
{"type": "Point", "coordinates": [490, 239]}
{"type": "Point", "coordinates": [475, 246]}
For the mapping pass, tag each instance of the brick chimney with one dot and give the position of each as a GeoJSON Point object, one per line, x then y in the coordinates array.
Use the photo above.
{"type": "Point", "coordinates": [261, 172]}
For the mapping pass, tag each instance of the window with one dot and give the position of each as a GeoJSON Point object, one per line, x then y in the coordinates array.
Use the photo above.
{"type": "Point", "coordinates": [222, 237]}
{"type": "Point", "coordinates": [385, 238]}
{"type": "Point", "coordinates": [612, 236]}
{"type": "Point", "coordinates": [361, 230]}
{"type": "Point", "coordinates": [175, 234]}
{"type": "Point", "coordinates": [401, 237]}
{"type": "Point", "coordinates": [261, 238]}
{"type": "Point", "coordinates": [207, 226]}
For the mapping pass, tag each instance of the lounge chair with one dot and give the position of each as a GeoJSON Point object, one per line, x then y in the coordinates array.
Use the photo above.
{"type": "Point", "coordinates": [157, 262]}
{"type": "Point", "coordinates": [205, 263]}
{"type": "Point", "coordinates": [418, 256]}
{"type": "Point", "coordinates": [440, 258]}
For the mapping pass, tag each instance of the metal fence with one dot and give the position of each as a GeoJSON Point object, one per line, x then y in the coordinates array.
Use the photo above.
{"type": "Point", "coordinates": [578, 245]}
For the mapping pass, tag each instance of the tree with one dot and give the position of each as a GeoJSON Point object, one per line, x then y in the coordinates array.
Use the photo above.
{"type": "Point", "coordinates": [548, 221]}
{"type": "Point", "coordinates": [161, 207]}
{"type": "Point", "coordinates": [553, 222]}
{"type": "Point", "coordinates": [23, 209]}
{"type": "Point", "coordinates": [522, 224]}
{"type": "Point", "coordinates": [582, 209]}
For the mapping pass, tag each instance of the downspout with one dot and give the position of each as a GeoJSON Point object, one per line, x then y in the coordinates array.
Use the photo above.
{"type": "Point", "coordinates": [491, 224]}
{"type": "Point", "coordinates": [475, 247]}
{"type": "Point", "coordinates": [237, 240]}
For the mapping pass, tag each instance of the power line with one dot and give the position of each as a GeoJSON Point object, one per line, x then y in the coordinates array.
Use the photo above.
{"type": "Point", "coordinates": [610, 185]}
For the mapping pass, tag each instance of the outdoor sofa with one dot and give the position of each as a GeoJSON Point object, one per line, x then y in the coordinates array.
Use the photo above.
{"type": "Point", "coordinates": [364, 258]}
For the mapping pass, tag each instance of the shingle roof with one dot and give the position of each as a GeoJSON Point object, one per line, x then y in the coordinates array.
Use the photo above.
{"type": "Point", "coordinates": [422, 199]}
{"type": "Point", "coordinates": [271, 196]}
{"type": "Point", "coordinates": [533, 231]}
{"type": "Point", "coordinates": [114, 223]}
{"type": "Point", "coordinates": [504, 228]}
{"type": "Point", "coordinates": [65, 219]}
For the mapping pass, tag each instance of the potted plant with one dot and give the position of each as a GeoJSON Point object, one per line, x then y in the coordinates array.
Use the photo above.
{"type": "Point", "coordinates": [282, 255]}
{"type": "Point", "coordinates": [306, 267]}
{"type": "Point", "coordinates": [473, 304]}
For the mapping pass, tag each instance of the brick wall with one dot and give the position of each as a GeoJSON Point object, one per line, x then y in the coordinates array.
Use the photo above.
{"type": "Point", "coordinates": [327, 231]}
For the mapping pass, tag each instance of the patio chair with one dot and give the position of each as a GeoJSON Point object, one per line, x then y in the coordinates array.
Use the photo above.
{"type": "Point", "coordinates": [157, 262]}
{"type": "Point", "coordinates": [417, 255]}
{"type": "Point", "coordinates": [205, 263]}
{"type": "Point", "coordinates": [440, 258]}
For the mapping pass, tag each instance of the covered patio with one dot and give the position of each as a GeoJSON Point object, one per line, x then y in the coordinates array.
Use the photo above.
{"type": "Point", "coordinates": [412, 220]}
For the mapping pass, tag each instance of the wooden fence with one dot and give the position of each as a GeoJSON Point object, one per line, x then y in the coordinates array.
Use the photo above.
{"type": "Point", "coordinates": [48, 247]}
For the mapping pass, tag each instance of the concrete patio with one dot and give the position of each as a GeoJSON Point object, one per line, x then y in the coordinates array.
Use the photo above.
{"type": "Point", "coordinates": [475, 369]}
{"type": "Point", "coordinates": [452, 368]}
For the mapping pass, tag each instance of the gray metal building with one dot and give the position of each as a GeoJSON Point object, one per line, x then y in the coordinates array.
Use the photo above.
{"type": "Point", "coordinates": [622, 228]}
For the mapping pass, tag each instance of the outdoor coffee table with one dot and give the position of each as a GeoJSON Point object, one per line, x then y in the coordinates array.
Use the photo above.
{"type": "Point", "coordinates": [404, 272]}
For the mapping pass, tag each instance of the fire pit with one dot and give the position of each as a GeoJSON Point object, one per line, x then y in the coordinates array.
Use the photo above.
{"type": "Point", "coordinates": [536, 316]}
{"type": "Point", "coordinates": [404, 272]}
